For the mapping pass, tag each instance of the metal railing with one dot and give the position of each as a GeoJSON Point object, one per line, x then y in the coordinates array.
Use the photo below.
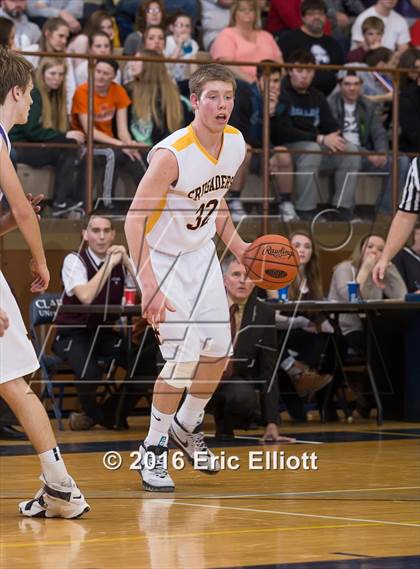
{"type": "Point", "coordinates": [266, 145]}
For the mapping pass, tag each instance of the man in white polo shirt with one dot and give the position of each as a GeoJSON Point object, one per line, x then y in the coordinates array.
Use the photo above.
{"type": "Point", "coordinates": [397, 33]}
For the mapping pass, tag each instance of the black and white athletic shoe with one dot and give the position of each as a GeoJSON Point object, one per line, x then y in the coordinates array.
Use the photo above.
{"type": "Point", "coordinates": [154, 469]}
{"type": "Point", "coordinates": [194, 447]}
{"type": "Point", "coordinates": [56, 501]}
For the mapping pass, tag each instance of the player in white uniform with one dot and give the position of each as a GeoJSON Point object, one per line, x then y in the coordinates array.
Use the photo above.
{"type": "Point", "coordinates": [59, 496]}
{"type": "Point", "coordinates": [178, 208]}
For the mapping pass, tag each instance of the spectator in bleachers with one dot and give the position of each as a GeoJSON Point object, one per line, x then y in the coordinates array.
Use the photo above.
{"type": "Point", "coordinates": [180, 45]}
{"type": "Point", "coordinates": [48, 122]}
{"type": "Point", "coordinates": [243, 40]}
{"type": "Point", "coordinates": [286, 16]}
{"type": "Point", "coordinates": [373, 30]}
{"type": "Point", "coordinates": [154, 40]}
{"type": "Point", "coordinates": [396, 35]}
{"type": "Point", "coordinates": [407, 262]}
{"type": "Point", "coordinates": [307, 124]}
{"type": "Point", "coordinates": [361, 126]}
{"type": "Point", "coordinates": [410, 59]}
{"type": "Point", "coordinates": [99, 44]}
{"type": "Point", "coordinates": [110, 104]}
{"type": "Point", "coordinates": [99, 21]}
{"type": "Point", "coordinates": [359, 269]}
{"type": "Point", "coordinates": [378, 86]}
{"type": "Point", "coordinates": [27, 33]}
{"type": "Point", "coordinates": [69, 10]}
{"type": "Point", "coordinates": [54, 38]}
{"type": "Point", "coordinates": [149, 13]}
{"type": "Point", "coordinates": [157, 108]}
{"type": "Point", "coordinates": [7, 33]}
{"type": "Point", "coordinates": [410, 115]}
{"type": "Point", "coordinates": [248, 117]}
{"type": "Point", "coordinates": [215, 16]}
{"type": "Point", "coordinates": [311, 37]}
{"type": "Point", "coordinates": [234, 403]}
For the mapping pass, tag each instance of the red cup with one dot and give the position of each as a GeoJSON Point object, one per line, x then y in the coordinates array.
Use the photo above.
{"type": "Point", "coordinates": [130, 296]}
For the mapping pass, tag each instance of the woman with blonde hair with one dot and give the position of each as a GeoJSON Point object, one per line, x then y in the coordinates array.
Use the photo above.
{"type": "Point", "coordinates": [54, 38]}
{"type": "Point", "coordinates": [244, 40]}
{"type": "Point", "coordinates": [48, 122]}
{"type": "Point", "coordinates": [158, 107]}
{"type": "Point", "coordinates": [358, 268]}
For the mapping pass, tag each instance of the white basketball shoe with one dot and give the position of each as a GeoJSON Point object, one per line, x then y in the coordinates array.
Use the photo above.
{"type": "Point", "coordinates": [56, 501]}
{"type": "Point", "coordinates": [194, 447]}
{"type": "Point", "coordinates": [154, 468]}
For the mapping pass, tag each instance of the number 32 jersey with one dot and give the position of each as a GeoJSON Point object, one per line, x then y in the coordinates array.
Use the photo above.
{"type": "Point", "coordinates": [186, 218]}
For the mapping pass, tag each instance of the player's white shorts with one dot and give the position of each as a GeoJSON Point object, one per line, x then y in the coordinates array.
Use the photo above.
{"type": "Point", "coordinates": [17, 354]}
{"type": "Point", "coordinates": [193, 284]}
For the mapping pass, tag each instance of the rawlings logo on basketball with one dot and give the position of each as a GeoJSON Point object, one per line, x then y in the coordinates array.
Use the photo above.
{"type": "Point", "coordinates": [280, 253]}
{"type": "Point", "coordinates": [272, 261]}
{"type": "Point", "coordinates": [275, 273]}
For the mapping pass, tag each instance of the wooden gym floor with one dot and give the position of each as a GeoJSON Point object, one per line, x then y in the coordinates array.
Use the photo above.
{"type": "Point", "coordinates": [360, 509]}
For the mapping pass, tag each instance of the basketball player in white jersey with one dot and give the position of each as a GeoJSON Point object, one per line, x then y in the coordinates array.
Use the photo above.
{"type": "Point", "coordinates": [59, 496]}
{"type": "Point", "coordinates": [178, 208]}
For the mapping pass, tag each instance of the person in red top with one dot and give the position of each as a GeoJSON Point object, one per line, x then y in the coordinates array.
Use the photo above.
{"type": "Point", "coordinates": [284, 16]}
{"type": "Point", "coordinates": [415, 33]}
{"type": "Point", "coordinates": [110, 102]}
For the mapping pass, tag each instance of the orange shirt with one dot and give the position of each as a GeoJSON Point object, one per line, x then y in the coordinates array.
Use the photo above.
{"type": "Point", "coordinates": [104, 106]}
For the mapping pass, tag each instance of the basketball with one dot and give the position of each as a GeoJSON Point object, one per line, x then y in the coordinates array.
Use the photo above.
{"type": "Point", "coordinates": [272, 262]}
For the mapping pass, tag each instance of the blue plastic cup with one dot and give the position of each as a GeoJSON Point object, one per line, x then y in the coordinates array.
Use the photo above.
{"type": "Point", "coordinates": [283, 294]}
{"type": "Point", "coordinates": [354, 292]}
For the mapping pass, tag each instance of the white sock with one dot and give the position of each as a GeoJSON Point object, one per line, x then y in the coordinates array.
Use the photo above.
{"type": "Point", "coordinates": [53, 466]}
{"type": "Point", "coordinates": [191, 413]}
{"type": "Point", "coordinates": [159, 427]}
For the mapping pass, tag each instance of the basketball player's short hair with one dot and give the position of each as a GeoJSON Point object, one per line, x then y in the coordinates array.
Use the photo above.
{"type": "Point", "coordinates": [15, 71]}
{"type": "Point", "coordinates": [210, 72]}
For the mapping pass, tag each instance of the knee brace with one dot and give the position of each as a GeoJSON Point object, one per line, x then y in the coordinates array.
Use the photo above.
{"type": "Point", "coordinates": [178, 374]}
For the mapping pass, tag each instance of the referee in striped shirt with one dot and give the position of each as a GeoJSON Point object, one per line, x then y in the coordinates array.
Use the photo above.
{"type": "Point", "coordinates": [403, 223]}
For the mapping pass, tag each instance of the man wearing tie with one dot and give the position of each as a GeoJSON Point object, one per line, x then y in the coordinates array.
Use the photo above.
{"type": "Point", "coordinates": [254, 339]}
